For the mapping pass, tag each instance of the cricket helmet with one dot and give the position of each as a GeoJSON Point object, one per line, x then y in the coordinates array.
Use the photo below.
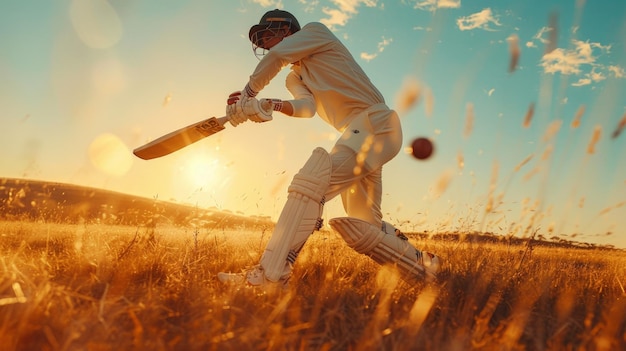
{"type": "Point", "coordinates": [273, 20]}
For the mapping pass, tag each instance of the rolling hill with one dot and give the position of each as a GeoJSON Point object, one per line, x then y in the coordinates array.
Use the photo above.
{"type": "Point", "coordinates": [34, 200]}
{"type": "Point", "coordinates": [22, 199]}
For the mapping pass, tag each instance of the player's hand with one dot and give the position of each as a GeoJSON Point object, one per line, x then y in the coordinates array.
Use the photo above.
{"type": "Point", "coordinates": [272, 104]}
{"type": "Point", "coordinates": [257, 111]}
{"type": "Point", "coordinates": [234, 109]}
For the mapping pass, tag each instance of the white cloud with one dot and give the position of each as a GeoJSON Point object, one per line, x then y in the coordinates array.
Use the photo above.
{"type": "Point", "coordinates": [539, 35]}
{"type": "Point", "coordinates": [337, 18]}
{"type": "Point", "coordinates": [383, 44]}
{"type": "Point", "coordinates": [309, 5]}
{"type": "Point", "coordinates": [582, 82]}
{"type": "Point", "coordinates": [428, 29]}
{"type": "Point", "coordinates": [449, 4]}
{"type": "Point", "coordinates": [381, 47]}
{"type": "Point", "coordinates": [368, 57]}
{"type": "Point", "coordinates": [581, 60]}
{"type": "Point", "coordinates": [617, 71]}
{"type": "Point", "coordinates": [596, 76]}
{"type": "Point", "coordinates": [570, 61]}
{"type": "Point", "coordinates": [480, 20]}
{"type": "Point", "coordinates": [433, 5]}
{"type": "Point", "coordinates": [591, 77]}
{"type": "Point", "coordinates": [345, 9]}
{"type": "Point", "coordinates": [269, 3]}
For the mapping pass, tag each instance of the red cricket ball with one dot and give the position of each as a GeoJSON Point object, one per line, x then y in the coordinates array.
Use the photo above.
{"type": "Point", "coordinates": [422, 148]}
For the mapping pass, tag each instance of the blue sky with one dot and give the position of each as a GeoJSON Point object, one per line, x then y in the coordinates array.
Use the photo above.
{"type": "Point", "coordinates": [517, 151]}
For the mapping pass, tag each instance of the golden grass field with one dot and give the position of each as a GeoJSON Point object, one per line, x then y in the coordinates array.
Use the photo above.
{"type": "Point", "coordinates": [100, 287]}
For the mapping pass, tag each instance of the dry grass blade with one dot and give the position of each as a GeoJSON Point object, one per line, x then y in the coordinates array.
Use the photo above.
{"type": "Point", "coordinates": [19, 296]}
{"type": "Point", "coordinates": [591, 147]}
{"type": "Point", "coordinates": [620, 285]}
{"type": "Point", "coordinates": [422, 307]}
{"type": "Point", "coordinates": [579, 114]}
{"type": "Point", "coordinates": [95, 298]}
{"type": "Point", "coordinates": [552, 130]}
{"type": "Point", "coordinates": [495, 170]}
{"type": "Point", "coordinates": [620, 127]}
{"type": "Point", "coordinates": [524, 162]}
{"type": "Point", "coordinates": [529, 115]}
{"type": "Point", "coordinates": [514, 52]}
{"type": "Point", "coordinates": [408, 96]}
{"type": "Point", "coordinates": [442, 183]}
{"type": "Point", "coordinates": [167, 99]}
{"type": "Point", "coordinates": [460, 160]}
{"type": "Point", "coordinates": [429, 102]}
{"type": "Point", "coordinates": [551, 42]}
{"type": "Point", "coordinates": [469, 120]}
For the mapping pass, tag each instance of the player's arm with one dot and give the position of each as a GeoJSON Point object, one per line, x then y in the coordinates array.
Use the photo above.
{"type": "Point", "coordinates": [241, 107]}
{"type": "Point", "coordinates": [282, 106]}
{"type": "Point", "coordinates": [312, 38]}
{"type": "Point", "coordinates": [303, 103]}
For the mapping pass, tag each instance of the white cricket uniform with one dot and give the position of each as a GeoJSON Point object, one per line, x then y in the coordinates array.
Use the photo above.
{"type": "Point", "coordinates": [326, 79]}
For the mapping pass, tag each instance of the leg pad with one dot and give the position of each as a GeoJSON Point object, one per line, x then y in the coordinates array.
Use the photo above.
{"type": "Point", "coordinates": [383, 248]}
{"type": "Point", "coordinates": [300, 215]}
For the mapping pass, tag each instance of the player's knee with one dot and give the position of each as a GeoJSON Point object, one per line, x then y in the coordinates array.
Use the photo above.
{"type": "Point", "coordinates": [313, 179]}
{"type": "Point", "coordinates": [360, 235]}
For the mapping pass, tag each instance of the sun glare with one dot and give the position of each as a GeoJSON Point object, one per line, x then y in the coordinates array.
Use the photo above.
{"type": "Point", "coordinates": [110, 155]}
{"type": "Point", "coordinates": [200, 171]}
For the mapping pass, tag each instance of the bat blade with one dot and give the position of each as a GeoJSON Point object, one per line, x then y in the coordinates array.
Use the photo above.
{"type": "Point", "coordinates": [180, 138]}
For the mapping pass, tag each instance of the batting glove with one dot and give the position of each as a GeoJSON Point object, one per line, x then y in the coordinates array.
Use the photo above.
{"type": "Point", "coordinates": [234, 109]}
{"type": "Point", "coordinates": [257, 111]}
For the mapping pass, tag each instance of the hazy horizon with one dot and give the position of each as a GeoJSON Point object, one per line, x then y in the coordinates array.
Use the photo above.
{"type": "Point", "coordinates": [525, 102]}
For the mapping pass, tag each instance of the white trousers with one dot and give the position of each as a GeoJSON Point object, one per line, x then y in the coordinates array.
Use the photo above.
{"type": "Point", "coordinates": [370, 141]}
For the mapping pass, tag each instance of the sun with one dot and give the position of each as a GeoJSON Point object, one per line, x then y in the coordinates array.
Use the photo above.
{"type": "Point", "coordinates": [200, 177]}
{"type": "Point", "coordinates": [200, 171]}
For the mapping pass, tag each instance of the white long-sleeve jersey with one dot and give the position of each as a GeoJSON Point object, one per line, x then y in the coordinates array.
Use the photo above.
{"type": "Point", "coordinates": [325, 78]}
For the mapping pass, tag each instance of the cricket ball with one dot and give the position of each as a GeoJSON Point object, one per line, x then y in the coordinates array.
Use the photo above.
{"type": "Point", "coordinates": [422, 148]}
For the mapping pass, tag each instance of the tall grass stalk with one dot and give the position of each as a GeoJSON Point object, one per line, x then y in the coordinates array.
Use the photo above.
{"type": "Point", "coordinates": [97, 287]}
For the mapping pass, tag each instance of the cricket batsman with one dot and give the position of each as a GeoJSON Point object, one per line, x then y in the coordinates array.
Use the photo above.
{"type": "Point", "coordinates": [325, 79]}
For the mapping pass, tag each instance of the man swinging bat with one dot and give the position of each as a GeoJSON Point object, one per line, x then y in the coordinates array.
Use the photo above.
{"type": "Point", "coordinates": [325, 79]}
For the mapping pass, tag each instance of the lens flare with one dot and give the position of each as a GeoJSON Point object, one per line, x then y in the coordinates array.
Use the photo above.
{"type": "Point", "coordinates": [110, 155]}
{"type": "Point", "coordinates": [96, 23]}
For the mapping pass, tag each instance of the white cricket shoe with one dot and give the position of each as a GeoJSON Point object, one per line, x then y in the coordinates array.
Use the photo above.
{"type": "Point", "coordinates": [253, 277]}
{"type": "Point", "coordinates": [431, 264]}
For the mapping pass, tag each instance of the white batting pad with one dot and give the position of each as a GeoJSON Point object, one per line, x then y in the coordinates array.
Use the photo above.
{"type": "Point", "coordinates": [382, 247]}
{"type": "Point", "coordinates": [300, 215]}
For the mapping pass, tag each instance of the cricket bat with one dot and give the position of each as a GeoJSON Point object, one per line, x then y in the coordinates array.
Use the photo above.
{"type": "Point", "coordinates": [180, 138]}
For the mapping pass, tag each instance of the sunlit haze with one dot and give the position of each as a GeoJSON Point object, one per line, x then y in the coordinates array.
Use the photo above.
{"type": "Point", "coordinates": [525, 102]}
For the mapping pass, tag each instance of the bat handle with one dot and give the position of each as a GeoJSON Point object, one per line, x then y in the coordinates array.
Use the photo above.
{"type": "Point", "coordinates": [222, 120]}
